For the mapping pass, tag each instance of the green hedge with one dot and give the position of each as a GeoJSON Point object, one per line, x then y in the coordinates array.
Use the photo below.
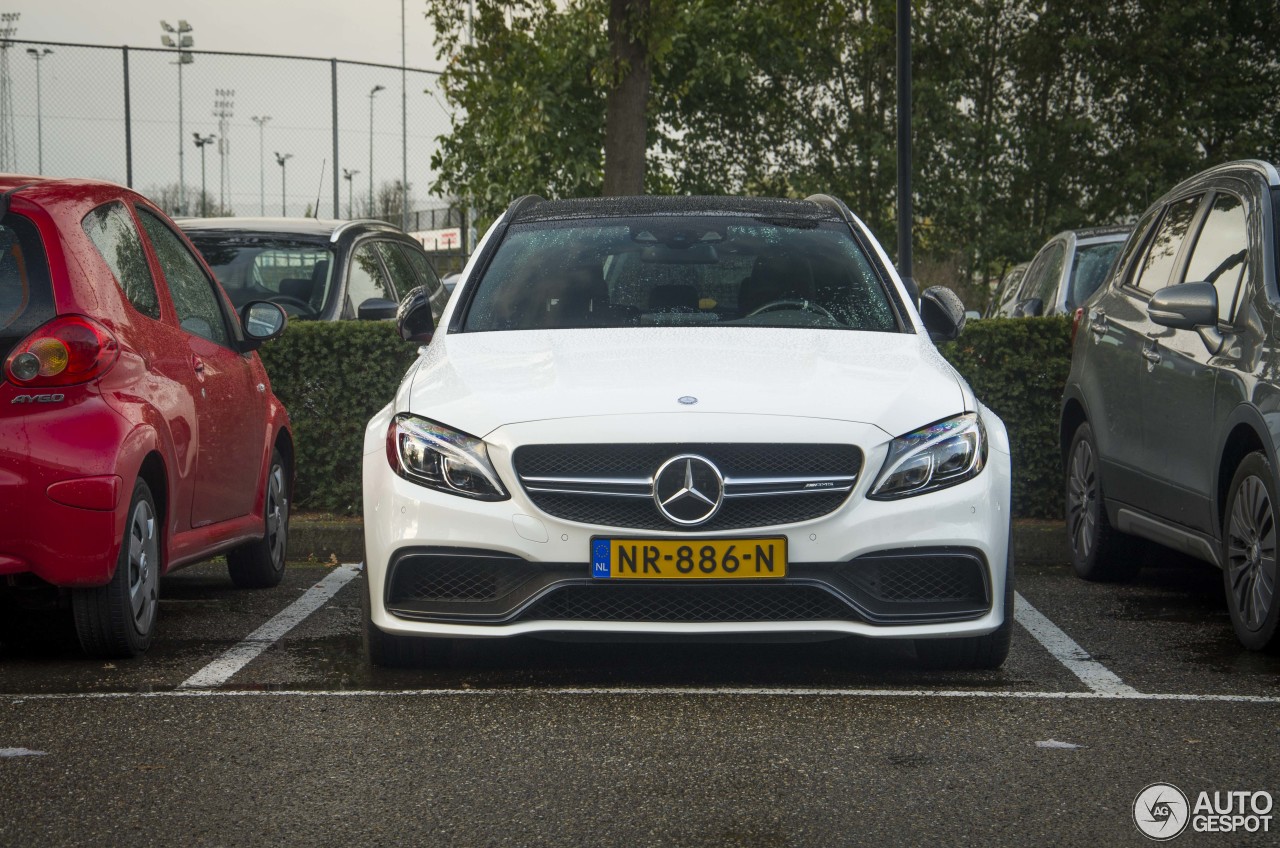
{"type": "Point", "coordinates": [1018, 367]}
{"type": "Point", "coordinates": [333, 377]}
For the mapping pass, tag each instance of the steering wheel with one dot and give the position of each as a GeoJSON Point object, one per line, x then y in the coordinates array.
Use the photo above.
{"type": "Point", "coordinates": [794, 303]}
{"type": "Point", "coordinates": [300, 307]}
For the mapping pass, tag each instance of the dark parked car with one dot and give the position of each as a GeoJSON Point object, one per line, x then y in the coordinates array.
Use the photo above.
{"type": "Point", "coordinates": [1169, 426]}
{"type": "Point", "coordinates": [138, 429]}
{"type": "Point", "coordinates": [1065, 273]}
{"type": "Point", "coordinates": [323, 270]}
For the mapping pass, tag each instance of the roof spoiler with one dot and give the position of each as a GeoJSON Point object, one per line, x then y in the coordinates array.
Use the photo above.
{"type": "Point", "coordinates": [4, 198]}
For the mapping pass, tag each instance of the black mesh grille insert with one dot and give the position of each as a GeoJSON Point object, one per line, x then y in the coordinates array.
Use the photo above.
{"type": "Point", "coordinates": [733, 460]}
{"type": "Point", "coordinates": [457, 579]}
{"type": "Point", "coordinates": [911, 579]}
{"type": "Point", "coordinates": [689, 604]}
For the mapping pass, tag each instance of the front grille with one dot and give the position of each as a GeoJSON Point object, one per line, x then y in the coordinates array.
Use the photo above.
{"type": "Point", "coordinates": [756, 462]}
{"type": "Point", "coordinates": [689, 604]}
{"type": "Point", "coordinates": [916, 579]}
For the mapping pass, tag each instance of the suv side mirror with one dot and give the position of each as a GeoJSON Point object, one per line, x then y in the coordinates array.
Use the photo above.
{"type": "Point", "coordinates": [1031, 308]}
{"type": "Point", "coordinates": [261, 321]}
{"type": "Point", "coordinates": [414, 319]}
{"type": "Point", "coordinates": [377, 309]}
{"type": "Point", "coordinates": [1189, 306]}
{"type": "Point", "coordinates": [942, 313]}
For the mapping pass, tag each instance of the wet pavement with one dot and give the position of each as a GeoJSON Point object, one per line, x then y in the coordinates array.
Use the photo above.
{"type": "Point", "coordinates": [536, 742]}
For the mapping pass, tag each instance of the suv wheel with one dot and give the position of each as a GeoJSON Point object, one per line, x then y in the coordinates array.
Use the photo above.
{"type": "Point", "coordinates": [1249, 554]}
{"type": "Point", "coordinates": [119, 619]}
{"type": "Point", "coordinates": [1099, 552]}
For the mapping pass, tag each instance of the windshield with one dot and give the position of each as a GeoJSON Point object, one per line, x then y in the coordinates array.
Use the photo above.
{"type": "Point", "coordinates": [1093, 263]}
{"type": "Point", "coordinates": [26, 296]}
{"type": "Point", "coordinates": [295, 274]}
{"type": "Point", "coordinates": [680, 270]}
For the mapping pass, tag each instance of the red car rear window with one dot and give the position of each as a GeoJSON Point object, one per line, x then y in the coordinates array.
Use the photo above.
{"type": "Point", "coordinates": [26, 295]}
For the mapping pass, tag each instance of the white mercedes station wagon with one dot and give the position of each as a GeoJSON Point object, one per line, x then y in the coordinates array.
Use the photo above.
{"type": "Point", "coordinates": [685, 417]}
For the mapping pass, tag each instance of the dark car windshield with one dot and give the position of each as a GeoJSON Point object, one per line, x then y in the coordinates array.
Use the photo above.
{"type": "Point", "coordinates": [297, 274]}
{"type": "Point", "coordinates": [1093, 263]}
{"type": "Point", "coordinates": [26, 296]}
{"type": "Point", "coordinates": [680, 270]}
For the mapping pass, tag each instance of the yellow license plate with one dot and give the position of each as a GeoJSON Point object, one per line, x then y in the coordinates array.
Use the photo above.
{"type": "Point", "coordinates": [688, 559]}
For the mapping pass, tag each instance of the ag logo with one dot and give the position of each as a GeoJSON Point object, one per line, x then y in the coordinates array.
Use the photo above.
{"type": "Point", "coordinates": [1161, 811]}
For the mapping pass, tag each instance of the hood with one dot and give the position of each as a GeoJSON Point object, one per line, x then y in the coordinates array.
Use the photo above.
{"type": "Point", "coordinates": [477, 382]}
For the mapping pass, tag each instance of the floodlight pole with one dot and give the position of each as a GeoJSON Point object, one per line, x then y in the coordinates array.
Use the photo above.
{"type": "Point", "coordinates": [182, 42]}
{"type": "Point", "coordinates": [372, 92]}
{"type": "Point", "coordinates": [39, 56]}
{"type": "Point", "coordinates": [261, 121]}
{"type": "Point", "coordinates": [202, 141]}
{"type": "Point", "coordinates": [904, 148]}
{"type": "Point", "coordinates": [349, 174]}
{"type": "Point", "coordinates": [280, 160]}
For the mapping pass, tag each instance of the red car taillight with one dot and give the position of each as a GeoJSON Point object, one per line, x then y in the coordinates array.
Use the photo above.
{"type": "Point", "coordinates": [69, 349]}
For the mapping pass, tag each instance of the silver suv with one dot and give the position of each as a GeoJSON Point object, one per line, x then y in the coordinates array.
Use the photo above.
{"type": "Point", "coordinates": [1169, 418]}
{"type": "Point", "coordinates": [1064, 273]}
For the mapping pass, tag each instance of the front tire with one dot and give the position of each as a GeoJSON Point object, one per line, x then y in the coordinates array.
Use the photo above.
{"type": "Point", "coordinates": [1099, 552]}
{"type": "Point", "coordinates": [260, 563]}
{"type": "Point", "coordinates": [391, 650]}
{"type": "Point", "coordinates": [1249, 554]}
{"type": "Point", "coordinates": [118, 620]}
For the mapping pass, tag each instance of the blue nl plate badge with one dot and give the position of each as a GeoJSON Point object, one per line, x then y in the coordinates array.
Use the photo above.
{"type": "Point", "coordinates": [600, 561]}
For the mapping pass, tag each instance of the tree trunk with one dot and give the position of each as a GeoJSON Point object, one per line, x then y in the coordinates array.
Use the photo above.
{"type": "Point", "coordinates": [626, 108]}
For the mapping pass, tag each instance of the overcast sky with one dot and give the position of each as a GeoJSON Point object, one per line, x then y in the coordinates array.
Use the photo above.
{"type": "Point", "coordinates": [357, 30]}
{"type": "Point", "coordinates": [81, 103]}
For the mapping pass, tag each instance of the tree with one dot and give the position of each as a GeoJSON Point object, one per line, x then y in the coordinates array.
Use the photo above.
{"type": "Point", "coordinates": [166, 197]}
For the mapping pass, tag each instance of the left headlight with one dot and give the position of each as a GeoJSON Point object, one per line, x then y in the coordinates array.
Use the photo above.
{"type": "Point", "coordinates": [441, 458]}
{"type": "Point", "coordinates": [932, 458]}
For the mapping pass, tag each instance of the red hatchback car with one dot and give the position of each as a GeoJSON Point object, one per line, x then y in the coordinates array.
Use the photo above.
{"type": "Point", "coordinates": [138, 429]}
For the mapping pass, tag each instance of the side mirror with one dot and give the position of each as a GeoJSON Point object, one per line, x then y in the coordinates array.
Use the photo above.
{"type": "Point", "coordinates": [413, 318]}
{"type": "Point", "coordinates": [1189, 306]}
{"type": "Point", "coordinates": [261, 322]}
{"type": "Point", "coordinates": [972, 315]}
{"type": "Point", "coordinates": [1032, 308]}
{"type": "Point", "coordinates": [942, 313]}
{"type": "Point", "coordinates": [377, 309]}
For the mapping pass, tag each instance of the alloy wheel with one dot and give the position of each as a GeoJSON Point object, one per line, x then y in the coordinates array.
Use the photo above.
{"type": "Point", "coordinates": [1251, 552]}
{"type": "Point", "coordinates": [1082, 499]}
{"type": "Point", "coordinates": [277, 514]}
{"type": "Point", "coordinates": [144, 566]}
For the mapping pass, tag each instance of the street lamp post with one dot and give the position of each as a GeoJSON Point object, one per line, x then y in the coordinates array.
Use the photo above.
{"type": "Point", "coordinates": [181, 44]}
{"type": "Point", "coordinates": [223, 110]}
{"type": "Point", "coordinates": [349, 174]}
{"type": "Point", "coordinates": [261, 121]}
{"type": "Point", "coordinates": [39, 55]}
{"type": "Point", "coordinates": [203, 141]}
{"type": "Point", "coordinates": [372, 92]}
{"type": "Point", "coordinates": [280, 160]}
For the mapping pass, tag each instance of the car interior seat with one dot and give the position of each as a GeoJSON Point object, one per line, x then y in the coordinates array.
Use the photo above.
{"type": "Point", "coordinates": [775, 278]}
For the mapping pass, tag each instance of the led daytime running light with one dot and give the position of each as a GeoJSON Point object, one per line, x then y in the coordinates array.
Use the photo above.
{"type": "Point", "coordinates": [933, 457]}
{"type": "Point", "coordinates": [438, 457]}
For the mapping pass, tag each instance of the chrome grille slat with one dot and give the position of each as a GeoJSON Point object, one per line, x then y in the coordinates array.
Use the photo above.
{"type": "Point", "coordinates": [763, 483]}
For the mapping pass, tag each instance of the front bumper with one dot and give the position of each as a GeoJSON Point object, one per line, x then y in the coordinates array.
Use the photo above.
{"type": "Point", "coordinates": [443, 565]}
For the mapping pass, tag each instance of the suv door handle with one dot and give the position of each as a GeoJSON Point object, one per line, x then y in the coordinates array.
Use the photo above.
{"type": "Point", "coordinates": [1098, 323]}
{"type": "Point", "coordinates": [1152, 356]}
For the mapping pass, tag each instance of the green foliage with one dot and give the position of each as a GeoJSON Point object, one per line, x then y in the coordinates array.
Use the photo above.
{"type": "Point", "coordinates": [332, 377]}
{"type": "Point", "coordinates": [1028, 118]}
{"type": "Point", "coordinates": [1018, 367]}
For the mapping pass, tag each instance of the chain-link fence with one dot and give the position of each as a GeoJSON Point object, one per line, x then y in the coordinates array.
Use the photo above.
{"type": "Point", "coordinates": [212, 133]}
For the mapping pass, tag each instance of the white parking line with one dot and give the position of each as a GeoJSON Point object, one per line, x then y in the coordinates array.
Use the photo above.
{"type": "Point", "coordinates": [1092, 673]}
{"type": "Point", "coordinates": [220, 670]}
{"type": "Point", "coordinates": [729, 691]}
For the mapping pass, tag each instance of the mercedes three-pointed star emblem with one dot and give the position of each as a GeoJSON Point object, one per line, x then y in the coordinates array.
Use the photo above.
{"type": "Point", "coordinates": [688, 489]}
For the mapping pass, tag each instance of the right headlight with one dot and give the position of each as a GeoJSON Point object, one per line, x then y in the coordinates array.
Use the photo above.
{"type": "Point", "coordinates": [439, 457]}
{"type": "Point", "coordinates": [932, 458]}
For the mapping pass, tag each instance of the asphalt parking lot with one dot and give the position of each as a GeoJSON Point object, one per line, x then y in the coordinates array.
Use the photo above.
{"type": "Point", "coordinates": [255, 720]}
